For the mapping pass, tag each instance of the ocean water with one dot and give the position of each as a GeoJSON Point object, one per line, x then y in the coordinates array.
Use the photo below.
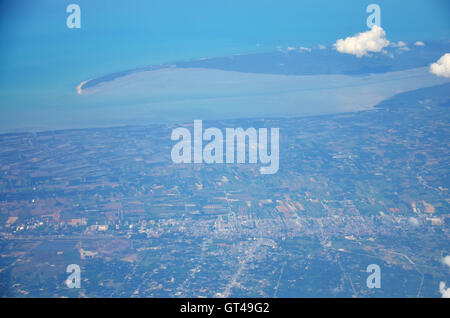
{"type": "Point", "coordinates": [185, 94]}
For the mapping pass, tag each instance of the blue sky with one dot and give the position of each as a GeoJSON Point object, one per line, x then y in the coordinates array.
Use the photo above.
{"type": "Point", "coordinates": [118, 35]}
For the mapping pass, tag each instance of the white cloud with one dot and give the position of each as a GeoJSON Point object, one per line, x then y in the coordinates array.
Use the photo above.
{"type": "Point", "coordinates": [307, 49]}
{"type": "Point", "coordinates": [419, 43]}
{"type": "Point", "coordinates": [398, 44]}
{"type": "Point", "coordinates": [322, 47]}
{"type": "Point", "coordinates": [445, 292]}
{"type": "Point", "coordinates": [290, 48]}
{"type": "Point", "coordinates": [373, 40]}
{"type": "Point", "coordinates": [388, 53]}
{"type": "Point", "coordinates": [442, 66]}
{"type": "Point", "coordinates": [446, 260]}
{"type": "Point", "coordinates": [402, 46]}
